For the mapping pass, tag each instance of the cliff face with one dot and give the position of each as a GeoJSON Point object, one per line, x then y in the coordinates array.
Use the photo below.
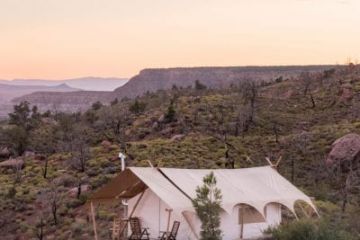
{"type": "Point", "coordinates": [151, 80]}
{"type": "Point", "coordinates": [213, 77]}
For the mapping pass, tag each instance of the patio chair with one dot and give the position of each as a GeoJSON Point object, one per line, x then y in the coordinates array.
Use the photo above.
{"type": "Point", "coordinates": [138, 233]}
{"type": "Point", "coordinates": [172, 234]}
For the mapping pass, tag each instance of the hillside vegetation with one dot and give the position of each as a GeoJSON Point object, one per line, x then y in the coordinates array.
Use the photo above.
{"type": "Point", "coordinates": [152, 80]}
{"type": "Point", "coordinates": [60, 158]}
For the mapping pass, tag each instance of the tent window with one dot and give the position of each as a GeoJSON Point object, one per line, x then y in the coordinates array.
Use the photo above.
{"type": "Point", "coordinates": [248, 214]}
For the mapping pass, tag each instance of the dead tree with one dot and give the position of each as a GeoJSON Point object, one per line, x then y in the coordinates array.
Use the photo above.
{"type": "Point", "coordinates": [307, 83]}
{"type": "Point", "coordinates": [45, 144]}
{"type": "Point", "coordinates": [80, 155]}
{"type": "Point", "coordinates": [40, 229]}
{"type": "Point", "coordinates": [347, 173]}
{"type": "Point", "coordinates": [243, 120]}
{"type": "Point", "coordinates": [249, 92]}
{"type": "Point", "coordinates": [300, 142]}
{"type": "Point", "coordinates": [275, 128]}
{"type": "Point", "coordinates": [80, 149]}
{"type": "Point", "coordinates": [54, 199]}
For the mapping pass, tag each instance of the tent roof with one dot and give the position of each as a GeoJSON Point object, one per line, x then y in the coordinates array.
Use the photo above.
{"type": "Point", "coordinates": [124, 185]}
{"type": "Point", "coordinates": [256, 187]}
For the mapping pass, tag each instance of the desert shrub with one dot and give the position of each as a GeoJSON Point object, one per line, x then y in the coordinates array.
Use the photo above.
{"type": "Point", "coordinates": [310, 230]}
{"type": "Point", "coordinates": [11, 192]}
{"type": "Point", "coordinates": [199, 85]}
{"type": "Point", "coordinates": [66, 180]}
{"type": "Point", "coordinates": [77, 228]}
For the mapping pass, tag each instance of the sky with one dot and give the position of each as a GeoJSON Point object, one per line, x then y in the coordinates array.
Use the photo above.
{"type": "Point", "coordinates": [57, 39]}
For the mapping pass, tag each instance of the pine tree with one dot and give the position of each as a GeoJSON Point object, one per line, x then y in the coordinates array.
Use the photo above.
{"type": "Point", "coordinates": [207, 205]}
{"type": "Point", "coordinates": [170, 115]}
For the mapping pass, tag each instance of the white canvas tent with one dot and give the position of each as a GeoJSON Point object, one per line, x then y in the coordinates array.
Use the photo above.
{"type": "Point", "coordinates": [252, 198]}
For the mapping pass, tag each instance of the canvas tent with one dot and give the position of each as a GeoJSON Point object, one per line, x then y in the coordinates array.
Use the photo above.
{"type": "Point", "coordinates": [252, 198]}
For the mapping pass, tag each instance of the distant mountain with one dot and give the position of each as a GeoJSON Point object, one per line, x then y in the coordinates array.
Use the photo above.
{"type": "Point", "coordinates": [64, 101]}
{"type": "Point", "coordinates": [9, 92]}
{"type": "Point", "coordinates": [85, 83]}
{"type": "Point", "coordinates": [151, 80]}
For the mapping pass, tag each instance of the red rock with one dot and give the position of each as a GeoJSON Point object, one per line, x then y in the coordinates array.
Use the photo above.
{"type": "Point", "coordinates": [4, 152]}
{"type": "Point", "coordinates": [344, 150]}
{"type": "Point", "coordinates": [106, 144]}
{"type": "Point", "coordinates": [13, 163]}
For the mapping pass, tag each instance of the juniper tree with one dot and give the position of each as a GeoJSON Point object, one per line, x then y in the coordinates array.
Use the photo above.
{"type": "Point", "coordinates": [137, 107]}
{"type": "Point", "coordinates": [207, 205]}
{"type": "Point", "coordinates": [170, 115]}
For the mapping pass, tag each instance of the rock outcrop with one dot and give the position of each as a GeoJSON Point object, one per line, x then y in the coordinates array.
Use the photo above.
{"type": "Point", "coordinates": [345, 151]}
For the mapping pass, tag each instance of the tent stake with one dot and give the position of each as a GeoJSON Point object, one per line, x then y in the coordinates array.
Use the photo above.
{"type": "Point", "coordinates": [93, 219]}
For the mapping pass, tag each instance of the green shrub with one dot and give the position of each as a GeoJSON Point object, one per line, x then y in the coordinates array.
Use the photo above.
{"type": "Point", "coordinates": [310, 230]}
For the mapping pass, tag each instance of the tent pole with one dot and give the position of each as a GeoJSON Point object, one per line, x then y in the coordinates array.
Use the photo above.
{"type": "Point", "coordinates": [132, 212]}
{"type": "Point", "coordinates": [191, 227]}
{"type": "Point", "coordinates": [169, 216]}
{"type": "Point", "coordinates": [136, 204]}
{"type": "Point", "coordinates": [242, 223]}
{"type": "Point", "coordinates": [93, 219]}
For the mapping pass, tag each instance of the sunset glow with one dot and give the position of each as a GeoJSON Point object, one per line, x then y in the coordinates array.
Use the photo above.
{"type": "Point", "coordinates": [58, 39]}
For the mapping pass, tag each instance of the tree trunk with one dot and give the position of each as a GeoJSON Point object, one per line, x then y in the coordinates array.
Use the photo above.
{"type": "Point", "coordinates": [54, 211]}
{"type": "Point", "coordinates": [45, 167]}
{"type": "Point", "coordinates": [312, 100]}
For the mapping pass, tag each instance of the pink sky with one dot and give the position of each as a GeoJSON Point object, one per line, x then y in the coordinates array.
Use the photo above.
{"type": "Point", "coordinates": [57, 39]}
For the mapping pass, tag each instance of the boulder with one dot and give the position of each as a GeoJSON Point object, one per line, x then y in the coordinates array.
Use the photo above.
{"type": "Point", "coordinates": [29, 154]}
{"type": "Point", "coordinates": [345, 150]}
{"type": "Point", "coordinates": [106, 144]}
{"type": "Point", "coordinates": [155, 125]}
{"type": "Point", "coordinates": [4, 152]}
{"type": "Point", "coordinates": [346, 93]}
{"type": "Point", "coordinates": [13, 163]}
{"type": "Point", "coordinates": [177, 137]}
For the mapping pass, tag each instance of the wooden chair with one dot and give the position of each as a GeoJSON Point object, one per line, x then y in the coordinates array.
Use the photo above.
{"type": "Point", "coordinates": [172, 234]}
{"type": "Point", "coordinates": [138, 233]}
{"type": "Point", "coordinates": [116, 229]}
